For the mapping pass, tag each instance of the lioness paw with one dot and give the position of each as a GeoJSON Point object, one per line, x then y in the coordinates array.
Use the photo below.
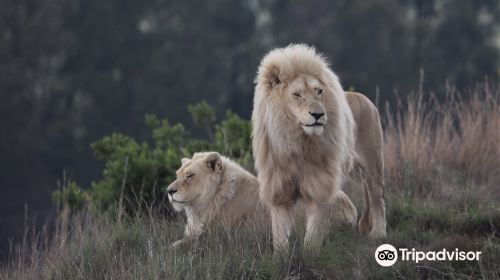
{"type": "Point", "coordinates": [176, 245]}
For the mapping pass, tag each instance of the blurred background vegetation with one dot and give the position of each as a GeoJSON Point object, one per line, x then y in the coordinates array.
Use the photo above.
{"type": "Point", "coordinates": [73, 72]}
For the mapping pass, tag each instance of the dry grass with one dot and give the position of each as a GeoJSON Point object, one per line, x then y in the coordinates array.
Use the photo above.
{"type": "Point", "coordinates": [443, 172]}
{"type": "Point", "coordinates": [425, 138]}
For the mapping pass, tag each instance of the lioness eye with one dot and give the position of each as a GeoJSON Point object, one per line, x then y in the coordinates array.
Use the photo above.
{"type": "Point", "coordinates": [190, 176]}
{"type": "Point", "coordinates": [320, 91]}
{"type": "Point", "coordinates": [296, 94]}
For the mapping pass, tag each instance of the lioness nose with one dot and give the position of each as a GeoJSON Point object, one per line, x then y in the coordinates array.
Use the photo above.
{"type": "Point", "coordinates": [171, 192]}
{"type": "Point", "coordinates": [317, 115]}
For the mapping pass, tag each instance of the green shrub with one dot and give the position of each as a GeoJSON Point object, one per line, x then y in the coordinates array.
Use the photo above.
{"type": "Point", "coordinates": [233, 139]}
{"type": "Point", "coordinates": [70, 194]}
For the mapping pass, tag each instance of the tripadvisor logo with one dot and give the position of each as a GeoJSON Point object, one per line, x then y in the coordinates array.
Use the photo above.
{"type": "Point", "coordinates": [387, 255]}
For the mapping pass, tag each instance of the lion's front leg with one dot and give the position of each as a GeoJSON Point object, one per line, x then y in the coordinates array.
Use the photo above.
{"type": "Point", "coordinates": [317, 223]}
{"type": "Point", "coordinates": [343, 209]}
{"type": "Point", "coordinates": [282, 219]}
{"type": "Point", "coordinates": [192, 232]}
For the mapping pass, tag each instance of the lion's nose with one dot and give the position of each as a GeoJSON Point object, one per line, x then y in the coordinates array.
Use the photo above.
{"type": "Point", "coordinates": [317, 116]}
{"type": "Point", "coordinates": [171, 192]}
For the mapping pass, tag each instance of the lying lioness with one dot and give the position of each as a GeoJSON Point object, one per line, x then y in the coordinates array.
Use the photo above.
{"type": "Point", "coordinates": [210, 188]}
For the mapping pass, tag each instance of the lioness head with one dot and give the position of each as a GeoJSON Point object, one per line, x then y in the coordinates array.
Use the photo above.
{"type": "Point", "coordinates": [197, 180]}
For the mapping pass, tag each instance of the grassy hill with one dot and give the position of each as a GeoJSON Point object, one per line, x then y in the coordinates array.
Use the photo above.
{"type": "Point", "coordinates": [442, 191]}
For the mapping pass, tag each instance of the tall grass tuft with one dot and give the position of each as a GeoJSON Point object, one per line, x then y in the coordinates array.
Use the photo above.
{"type": "Point", "coordinates": [427, 138]}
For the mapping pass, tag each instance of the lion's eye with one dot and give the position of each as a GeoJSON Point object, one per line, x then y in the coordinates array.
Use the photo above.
{"type": "Point", "coordinates": [320, 91]}
{"type": "Point", "coordinates": [297, 94]}
{"type": "Point", "coordinates": [190, 176]}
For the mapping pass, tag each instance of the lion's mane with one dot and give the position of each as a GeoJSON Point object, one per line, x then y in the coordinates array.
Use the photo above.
{"type": "Point", "coordinates": [287, 161]}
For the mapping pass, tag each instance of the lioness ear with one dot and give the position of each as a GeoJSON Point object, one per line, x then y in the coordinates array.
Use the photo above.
{"type": "Point", "coordinates": [214, 162]}
{"type": "Point", "coordinates": [184, 161]}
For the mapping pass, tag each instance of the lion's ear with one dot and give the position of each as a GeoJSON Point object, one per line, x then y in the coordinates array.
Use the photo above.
{"type": "Point", "coordinates": [214, 162]}
{"type": "Point", "coordinates": [273, 76]}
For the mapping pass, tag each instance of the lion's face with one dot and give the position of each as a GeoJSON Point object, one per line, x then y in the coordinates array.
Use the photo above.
{"type": "Point", "coordinates": [197, 180]}
{"type": "Point", "coordinates": [305, 98]}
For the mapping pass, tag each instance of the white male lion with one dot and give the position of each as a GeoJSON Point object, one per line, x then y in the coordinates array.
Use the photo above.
{"type": "Point", "coordinates": [307, 135]}
{"type": "Point", "coordinates": [211, 188]}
